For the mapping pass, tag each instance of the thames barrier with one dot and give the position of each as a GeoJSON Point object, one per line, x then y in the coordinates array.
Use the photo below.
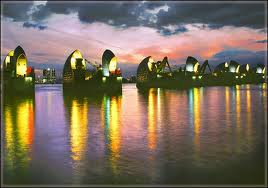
{"type": "Point", "coordinates": [107, 77]}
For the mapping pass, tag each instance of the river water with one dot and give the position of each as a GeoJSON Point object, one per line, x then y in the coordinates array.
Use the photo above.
{"type": "Point", "coordinates": [207, 135]}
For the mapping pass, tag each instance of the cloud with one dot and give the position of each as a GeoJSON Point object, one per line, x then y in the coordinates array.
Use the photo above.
{"type": "Point", "coordinates": [158, 15]}
{"type": "Point", "coordinates": [261, 41]}
{"type": "Point", "coordinates": [172, 29]}
{"type": "Point", "coordinates": [215, 15]}
{"type": "Point", "coordinates": [17, 11]}
{"type": "Point", "coordinates": [241, 56]}
{"type": "Point", "coordinates": [65, 33]}
{"type": "Point", "coordinates": [34, 25]}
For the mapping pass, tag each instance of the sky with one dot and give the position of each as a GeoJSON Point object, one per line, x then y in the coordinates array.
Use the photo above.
{"type": "Point", "coordinates": [218, 31]}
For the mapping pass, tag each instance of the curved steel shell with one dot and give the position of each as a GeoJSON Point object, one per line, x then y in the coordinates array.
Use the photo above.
{"type": "Point", "coordinates": [74, 62]}
{"type": "Point", "coordinates": [143, 71]}
{"type": "Point", "coordinates": [108, 60]}
{"type": "Point", "coordinates": [191, 64]}
{"type": "Point", "coordinates": [16, 62]}
{"type": "Point", "coordinates": [234, 66]}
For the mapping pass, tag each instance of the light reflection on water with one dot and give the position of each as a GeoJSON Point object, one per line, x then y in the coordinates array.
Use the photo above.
{"type": "Point", "coordinates": [155, 136]}
{"type": "Point", "coordinates": [19, 132]}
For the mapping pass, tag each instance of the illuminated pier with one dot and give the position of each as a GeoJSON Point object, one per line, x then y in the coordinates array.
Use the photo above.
{"type": "Point", "coordinates": [17, 76]}
{"type": "Point", "coordinates": [151, 74]}
{"type": "Point", "coordinates": [79, 74]}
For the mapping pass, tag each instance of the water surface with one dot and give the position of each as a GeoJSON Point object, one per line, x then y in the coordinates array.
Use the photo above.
{"type": "Point", "coordinates": [207, 135]}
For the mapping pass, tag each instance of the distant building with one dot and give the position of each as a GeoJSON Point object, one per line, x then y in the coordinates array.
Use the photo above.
{"type": "Point", "coordinates": [49, 76]}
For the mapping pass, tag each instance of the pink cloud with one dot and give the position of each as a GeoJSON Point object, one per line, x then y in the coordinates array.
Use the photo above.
{"type": "Point", "coordinates": [131, 45]}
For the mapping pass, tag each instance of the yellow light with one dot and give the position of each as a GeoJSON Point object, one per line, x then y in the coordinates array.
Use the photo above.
{"type": "Point", "coordinates": [197, 110]}
{"type": "Point", "coordinates": [247, 67]}
{"type": "Point", "coordinates": [115, 128]}
{"type": "Point", "coordinates": [237, 69]}
{"type": "Point", "coordinates": [114, 125]}
{"type": "Point", "coordinates": [19, 132]}
{"type": "Point", "coordinates": [84, 62]}
{"type": "Point", "coordinates": [199, 77]}
{"type": "Point", "coordinates": [263, 71]}
{"type": "Point", "coordinates": [25, 115]}
{"type": "Point", "coordinates": [193, 77]}
{"type": "Point", "coordinates": [119, 78]}
{"type": "Point", "coordinates": [21, 65]}
{"type": "Point", "coordinates": [9, 131]}
{"type": "Point", "coordinates": [112, 65]}
{"type": "Point", "coordinates": [7, 60]}
{"type": "Point", "coordinates": [196, 67]}
{"type": "Point", "coordinates": [226, 64]}
{"type": "Point", "coordinates": [215, 74]}
{"type": "Point", "coordinates": [236, 76]}
{"type": "Point", "coordinates": [150, 63]}
{"type": "Point", "coordinates": [73, 60]}
{"type": "Point", "coordinates": [76, 55]}
{"type": "Point", "coordinates": [104, 79]}
{"type": "Point", "coordinates": [152, 139]}
{"type": "Point", "coordinates": [241, 76]}
{"type": "Point", "coordinates": [78, 129]}
{"type": "Point", "coordinates": [11, 53]}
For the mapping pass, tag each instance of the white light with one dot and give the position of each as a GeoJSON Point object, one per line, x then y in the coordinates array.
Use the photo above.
{"type": "Point", "coordinates": [232, 69]}
{"type": "Point", "coordinates": [194, 77]}
{"type": "Point", "coordinates": [199, 77]}
{"type": "Point", "coordinates": [236, 76]}
{"type": "Point", "coordinates": [103, 79]}
{"type": "Point", "coordinates": [28, 79]}
{"type": "Point", "coordinates": [259, 70]}
{"type": "Point", "coordinates": [189, 68]}
{"type": "Point", "coordinates": [119, 78]}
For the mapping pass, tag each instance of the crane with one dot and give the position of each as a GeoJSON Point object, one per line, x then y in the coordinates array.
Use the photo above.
{"type": "Point", "coordinates": [203, 68]}
{"type": "Point", "coordinates": [95, 65]}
